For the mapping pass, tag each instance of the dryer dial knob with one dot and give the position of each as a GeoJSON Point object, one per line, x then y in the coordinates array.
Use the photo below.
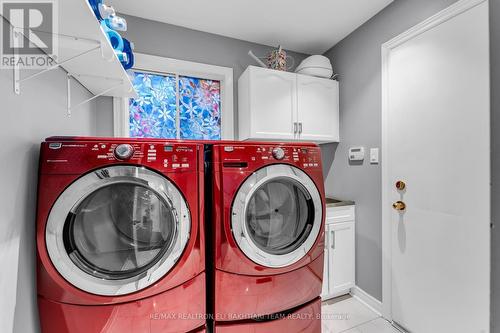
{"type": "Point", "coordinates": [124, 151]}
{"type": "Point", "coordinates": [278, 153]}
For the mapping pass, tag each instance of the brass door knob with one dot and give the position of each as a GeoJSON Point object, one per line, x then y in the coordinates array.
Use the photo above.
{"type": "Point", "coordinates": [400, 185]}
{"type": "Point", "coordinates": [399, 205]}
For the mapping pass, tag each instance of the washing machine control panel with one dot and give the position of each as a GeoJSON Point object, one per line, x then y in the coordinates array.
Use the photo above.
{"type": "Point", "coordinates": [306, 157]}
{"type": "Point", "coordinates": [67, 157]}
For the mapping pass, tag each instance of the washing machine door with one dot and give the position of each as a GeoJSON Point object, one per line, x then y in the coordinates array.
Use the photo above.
{"type": "Point", "coordinates": [277, 215]}
{"type": "Point", "coordinates": [117, 230]}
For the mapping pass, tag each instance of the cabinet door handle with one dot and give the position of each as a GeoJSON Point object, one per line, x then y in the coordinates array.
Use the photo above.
{"type": "Point", "coordinates": [294, 127]}
{"type": "Point", "coordinates": [333, 239]}
{"type": "Point", "coordinates": [300, 128]}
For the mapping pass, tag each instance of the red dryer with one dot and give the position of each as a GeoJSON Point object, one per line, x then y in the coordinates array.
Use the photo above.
{"type": "Point", "coordinates": [268, 237]}
{"type": "Point", "coordinates": [120, 240]}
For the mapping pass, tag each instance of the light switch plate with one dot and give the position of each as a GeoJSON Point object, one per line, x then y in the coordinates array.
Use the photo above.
{"type": "Point", "coordinates": [374, 156]}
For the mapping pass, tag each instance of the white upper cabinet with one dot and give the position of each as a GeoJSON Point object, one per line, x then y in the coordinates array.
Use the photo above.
{"type": "Point", "coordinates": [267, 104]}
{"type": "Point", "coordinates": [275, 105]}
{"type": "Point", "coordinates": [318, 105]}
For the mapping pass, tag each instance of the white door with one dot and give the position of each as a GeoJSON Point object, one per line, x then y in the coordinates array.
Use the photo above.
{"type": "Point", "coordinates": [273, 104]}
{"type": "Point", "coordinates": [318, 108]}
{"type": "Point", "coordinates": [341, 261]}
{"type": "Point", "coordinates": [436, 139]}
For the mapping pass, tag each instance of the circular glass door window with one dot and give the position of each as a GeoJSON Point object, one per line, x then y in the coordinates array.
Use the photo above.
{"type": "Point", "coordinates": [279, 216]}
{"type": "Point", "coordinates": [276, 215]}
{"type": "Point", "coordinates": [119, 231]}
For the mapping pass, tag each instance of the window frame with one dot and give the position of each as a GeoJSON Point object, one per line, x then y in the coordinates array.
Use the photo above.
{"type": "Point", "coordinates": [169, 66]}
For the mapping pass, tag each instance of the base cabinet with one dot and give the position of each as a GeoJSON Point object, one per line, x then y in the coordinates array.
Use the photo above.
{"type": "Point", "coordinates": [324, 289]}
{"type": "Point", "coordinates": [339, 266]}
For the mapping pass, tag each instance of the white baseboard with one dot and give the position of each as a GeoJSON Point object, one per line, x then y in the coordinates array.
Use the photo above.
{"type": "Point", "coordinates": [367, 299]}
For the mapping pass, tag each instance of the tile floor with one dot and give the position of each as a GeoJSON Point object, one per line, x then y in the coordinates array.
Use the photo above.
{"type": "Point", "coordinates": [346, 314]}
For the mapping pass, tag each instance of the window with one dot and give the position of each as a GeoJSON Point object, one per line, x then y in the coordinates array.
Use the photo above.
{"type": "Point", "coordinates": [154, 112]}
{"type": "Point", "coordinates": [177, 99]}
{"type": "Point", "coordinates": [199, 105]}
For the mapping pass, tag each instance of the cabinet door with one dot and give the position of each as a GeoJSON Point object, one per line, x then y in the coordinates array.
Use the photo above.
{"type": "Point", "coordinates": [318, 108]}
{"type": "Point", "coordinates": [324, 290]}
{"type": "Point", "coordinates": [341, 259]}
{"type": "Point", "coordinates": [273, 104]}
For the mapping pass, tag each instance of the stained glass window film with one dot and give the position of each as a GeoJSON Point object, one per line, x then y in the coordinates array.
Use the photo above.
{"type": "Point", "coordinates": [199, 103]}
{"type": "Point", "coordinates": [154, 112]}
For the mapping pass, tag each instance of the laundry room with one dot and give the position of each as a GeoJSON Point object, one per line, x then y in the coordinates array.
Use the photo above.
{"type": "Point", "coordinates": [243, 166]}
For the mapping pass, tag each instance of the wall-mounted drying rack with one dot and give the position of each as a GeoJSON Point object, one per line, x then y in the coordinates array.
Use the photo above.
{"type": "Point", "coordinates": [85, 54]}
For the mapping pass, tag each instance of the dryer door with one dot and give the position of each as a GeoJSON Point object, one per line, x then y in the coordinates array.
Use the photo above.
{"type": "Point", "coordinates": [117, 230]}
{"type": "Point", "coordinates": [277, 215]}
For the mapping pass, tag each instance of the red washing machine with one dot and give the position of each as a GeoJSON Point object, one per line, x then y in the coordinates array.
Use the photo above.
{"type": "Point", "coordinates": [120, 239]}
{"type": "Point", "coordinates": [268, 237]}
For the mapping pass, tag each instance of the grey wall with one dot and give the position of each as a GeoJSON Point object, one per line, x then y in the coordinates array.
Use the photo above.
{"type": "Point", "coordinates": [357, 59]}
{"type": "Point", "coordinates": [39, 111]}
{"type": "Point", "coordinates": [176, 42]}
{"type": "Point", "coordinates": [495, 162]}
{"type": "Point", "coordinates": [104, 116]}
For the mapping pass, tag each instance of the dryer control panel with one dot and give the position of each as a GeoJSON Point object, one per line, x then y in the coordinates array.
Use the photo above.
{"type": "Point", "coordinates": [79, 156]}
{"type": "Point", "coordinates": [255, 155]}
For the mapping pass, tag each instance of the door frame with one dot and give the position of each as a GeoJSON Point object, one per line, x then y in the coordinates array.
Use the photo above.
{"type": "Point", "coordinates": [433, 21]}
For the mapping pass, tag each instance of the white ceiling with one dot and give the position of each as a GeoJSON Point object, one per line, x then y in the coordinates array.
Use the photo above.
{"type": "Point", "coordinates": [311, 26]}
